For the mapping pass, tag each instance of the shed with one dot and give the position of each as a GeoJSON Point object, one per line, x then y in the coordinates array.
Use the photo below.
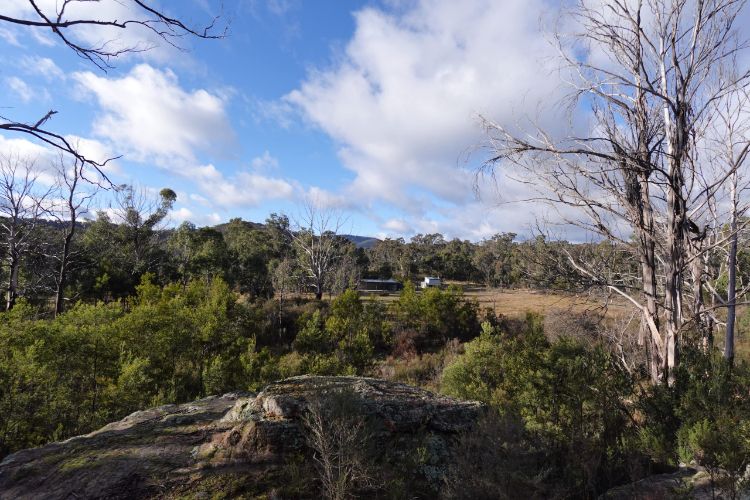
{"type": "Point", "coordinates": [430, 282]}
{"type": "Point", "coordinates": [377, 285]}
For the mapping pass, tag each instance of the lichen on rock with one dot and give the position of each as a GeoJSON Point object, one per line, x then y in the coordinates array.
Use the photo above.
{"type": "Point", "coordinates": [241, 444]}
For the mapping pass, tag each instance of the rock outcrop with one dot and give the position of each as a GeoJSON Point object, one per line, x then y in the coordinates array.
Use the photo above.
{"type": "Point", "coordinates": [239, 444]}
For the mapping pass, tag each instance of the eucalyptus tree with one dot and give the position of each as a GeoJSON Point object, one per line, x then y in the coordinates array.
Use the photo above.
{"type": "Point", "coordinates": [315, 235]}
{"type": "Point", "coordinates": [22, 205]}
{"type": "Point", "coordinates": [728, 142]}
{"type": "Point", "coordinates": [140, 215]}
{"type": "Point", "coordinates": [74, 199]}
{"type": "Point", "coordinates": [648, 72]}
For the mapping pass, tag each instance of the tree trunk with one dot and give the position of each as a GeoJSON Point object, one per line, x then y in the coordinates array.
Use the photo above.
{"type": "Point", "coordinates": [673, 268]}
{"type": "Point", "coordinates": [732, 281]}
{"type": "Point", "coordinates": [731, 299]}
{"type": "Point", "coordinates": [63, 271]}
{"type": "Point", "coordinates": [648, 275]}
{"type": "Point", "coordinates": [12, 290]}
{"type": "Point", "coordinates": [698, 309]}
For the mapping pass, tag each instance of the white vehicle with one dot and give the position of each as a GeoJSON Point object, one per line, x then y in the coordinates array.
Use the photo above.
{"type": "Point", "coordinates": [430, 282]}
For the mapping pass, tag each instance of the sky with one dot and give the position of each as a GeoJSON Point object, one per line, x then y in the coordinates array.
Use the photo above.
{"type": "Point", "coordinates": [369, 107]}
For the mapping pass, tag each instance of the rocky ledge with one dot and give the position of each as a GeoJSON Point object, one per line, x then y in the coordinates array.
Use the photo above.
{"type": "Point", "coordinates": [241, 444]}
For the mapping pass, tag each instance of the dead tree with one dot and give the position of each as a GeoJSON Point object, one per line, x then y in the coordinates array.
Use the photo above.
{"type": "Point", "coordinates": [632, 173]}
{"type": "Point", "coordinates": [728, 141]}
{"type": "Point", "coordinates": [21, 206]}
{"type": "Point", "coordinates": [62, 18]}
{"type": "Point", "coordinates": [315, 233]}
{"type": "Point", "coordinates": [75, 198]}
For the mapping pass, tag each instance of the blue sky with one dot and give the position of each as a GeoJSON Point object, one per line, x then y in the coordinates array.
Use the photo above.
{"type": "Point", "coordinates": [369, 107]}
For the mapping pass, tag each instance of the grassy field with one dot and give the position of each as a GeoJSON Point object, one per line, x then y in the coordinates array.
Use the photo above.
{"type": "Point", "coordinates": [517, 302]}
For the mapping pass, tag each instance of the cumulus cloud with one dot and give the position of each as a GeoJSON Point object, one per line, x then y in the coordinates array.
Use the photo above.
{"type": "Point", "coordinates": [398, 227]}
{"type": "Point", "coordinates": [324, 198]}
{"type": "Point", "coordinates": [25, 148]}
{"type": "Point", "coordinates": [46, 159]}
{"type": "Point", "coordinates": [151, 118]}
{"type": "Point", "coordinates": [42, 66]}
{"type": "Point", "coordinates": [22, 90]}
{"type": "Point", "coordinates": [264, 162]}
{"type": "Point", "coordinates": [402, 100]}
{"type": "Point", "coordinates": [184, 214]}
{"type": "Point", "coordinates": [241, 189]}
{"type": "Point", "coordinates": [97, 151]}
{"type": "Point", "coordinates": [149, 114]}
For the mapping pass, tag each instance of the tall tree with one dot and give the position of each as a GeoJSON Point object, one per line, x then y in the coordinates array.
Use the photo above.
{"type": "Point", "coordinates": [75, 198]}
{"type": "Point", "coordinates": [492, 259]}
{"type": "Point", "coordinates": [635, 167]}
{"type": "Point", "coordinates": [21, 205]}
{"type": "Point", "coordinates": [728, 140]}
{"type": "Point", "coordinates": [140, 216]}
{"type": "Point", "coordinates": [317, 242]}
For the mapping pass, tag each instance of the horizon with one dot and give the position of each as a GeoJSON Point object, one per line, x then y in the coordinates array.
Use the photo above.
{"type": "Point", "coordinates": [371, 108]}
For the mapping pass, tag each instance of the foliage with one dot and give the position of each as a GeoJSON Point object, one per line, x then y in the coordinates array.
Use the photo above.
{"type": "Point", "coordinates": [435, 316]}
{"type": "Point", "coordinates": [568, 397]}
{"type": "Point", "coordinates": [95, 363]}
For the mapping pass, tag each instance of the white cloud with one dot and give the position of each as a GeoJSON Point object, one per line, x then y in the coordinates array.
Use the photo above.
{"type": "Point", "coordinates": [264, 162]}
{"type": "Point", "coordinates": [24, 148]}
{"type": "Point", "coordinates": [397, 226]}
{"type": "Point", "coordinates": [10, 37]}
{"type": "Point", "coordinates": [22, 90]}
{"type": "Point", "coordinates": [149, 114]}
{"type": "Point", "coordinates": [323, 198]}
{"type": "Point", "coordinates": [200, 199]}
{"type": "Point", "coordinates": [96, 151]}
{"type": "Point", "coordinates": [46, 158]}
{"type": "Point", "coordinates": [43, 66]}
{"type": "Point", "coordinates": [402, 99]}
{"type": "Point", "coordinates": [183, 214]}
{"type": "Point", "coordinates": [241, 189]}
{"type": "Point", "coordinates": [145, 42]}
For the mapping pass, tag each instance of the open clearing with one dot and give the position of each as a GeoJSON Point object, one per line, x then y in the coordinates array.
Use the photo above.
{"type": "Point", "coordinates": [517, 302]}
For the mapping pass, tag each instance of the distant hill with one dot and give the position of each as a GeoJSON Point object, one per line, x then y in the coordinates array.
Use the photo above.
{"type": "Point", "coordinates": [361, 241]}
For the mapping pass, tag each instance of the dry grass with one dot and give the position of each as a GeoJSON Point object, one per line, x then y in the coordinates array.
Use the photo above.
{"type": "Point", "coordinates": [517, 302]}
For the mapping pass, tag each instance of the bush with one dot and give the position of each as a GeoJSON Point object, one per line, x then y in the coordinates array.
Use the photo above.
{"type": "Point", "coordinates": [722, 447]}
{"type": "Point", "coordinates": [434, 316]}
{"type": "Point", "coordinates": [569, 398]}
{"type": "Point", "coordinates": [96, 363]}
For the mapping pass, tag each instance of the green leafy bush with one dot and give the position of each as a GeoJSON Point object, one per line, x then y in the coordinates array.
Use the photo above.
{"type": "Point", "coordinates": [569, 398]}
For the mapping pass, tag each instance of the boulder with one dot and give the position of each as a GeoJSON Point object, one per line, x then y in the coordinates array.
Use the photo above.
{"type": "Point", "coordinates": [241, 444]}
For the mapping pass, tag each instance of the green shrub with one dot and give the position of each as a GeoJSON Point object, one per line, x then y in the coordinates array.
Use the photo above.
{"type": "Point", "coordinates": [722, 447]}
{"type": "Point", "coordinates": [435, 316]}
{"type": "Point", "coordinates": [568, 396]}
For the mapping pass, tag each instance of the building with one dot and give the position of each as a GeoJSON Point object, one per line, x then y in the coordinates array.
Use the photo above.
{"type": "Point", "coordinates": [430, 282]}
{"type": "Point", "coordinates": [371, 285]}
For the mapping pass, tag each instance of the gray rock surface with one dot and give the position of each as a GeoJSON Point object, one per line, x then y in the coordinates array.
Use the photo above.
{"type": "Point", "coordinates": [235, 445]}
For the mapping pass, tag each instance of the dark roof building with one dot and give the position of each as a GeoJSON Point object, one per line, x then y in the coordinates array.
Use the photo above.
{"type": "Point", "coordinates": [373, 285]}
